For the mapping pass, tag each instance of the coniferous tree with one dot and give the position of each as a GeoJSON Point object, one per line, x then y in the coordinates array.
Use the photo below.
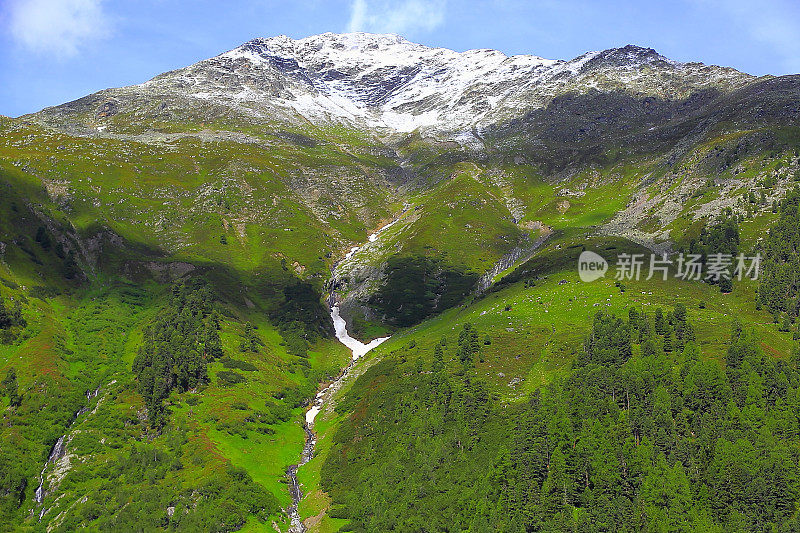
{"type": "Point", "coordinates": [438, 358]}
{"type": "Point", "coordinates": [5, 317]}
{"type": "Point", "coordinates": [176, 348]}
{"type": "Point", "coordinates": [779, 285]}
{"type": "Point", "coordinates": [655, 442]}
{"type": "Point", "coordinates": [659, 321]}
{"type": "Point", "coordinates": [11, 388]}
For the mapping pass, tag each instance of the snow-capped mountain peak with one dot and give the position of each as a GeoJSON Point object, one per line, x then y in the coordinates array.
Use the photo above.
{"type": "Point", "coordinates": [389, 81]}
{"type": "Point", "coordinates": [389, 84]}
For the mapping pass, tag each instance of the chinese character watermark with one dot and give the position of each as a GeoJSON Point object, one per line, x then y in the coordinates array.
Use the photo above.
{"type": "Point", "coordinates": [691, 267]}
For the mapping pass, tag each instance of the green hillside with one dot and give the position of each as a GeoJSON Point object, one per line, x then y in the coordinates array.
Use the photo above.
{"type": "Point", "coordinates": [166, 282]}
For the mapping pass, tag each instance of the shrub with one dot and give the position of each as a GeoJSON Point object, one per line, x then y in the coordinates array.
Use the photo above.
{"type": "Point", "coordinates": [228, 362]}
{"type": "Point", "coordinates": [227, 378]}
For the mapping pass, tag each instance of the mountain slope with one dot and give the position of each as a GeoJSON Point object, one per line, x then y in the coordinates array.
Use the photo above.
{"type": "Point", "coordinates": [231, 194]}
{"type": "Point", "coordinates": [343, 129]}
{"type": "Point", "coordinates": [386, 83]}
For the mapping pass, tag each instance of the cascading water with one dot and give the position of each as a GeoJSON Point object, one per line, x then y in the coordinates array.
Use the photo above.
{"type": "Point", "coordinates": [374, 236]}
{"type": "Point", "coordinates": [56, 453]}
{"type": "Point", "coordinates": [358, 349]}
{"type": "Point", "coordinates": [58, 450]}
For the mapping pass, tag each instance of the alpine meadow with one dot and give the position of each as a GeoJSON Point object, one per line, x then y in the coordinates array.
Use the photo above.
{"type": "Point", "coordinates": [338, 283]}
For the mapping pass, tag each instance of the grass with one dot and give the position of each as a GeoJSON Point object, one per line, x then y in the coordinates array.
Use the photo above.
{"type": "Point", "coordinates": [91, 338]}
{"type": "Point", "coordinates": [284, 218]}
{"type": "Point", "coordinates": [152, 200]}
{"type": "Point", "coordinates": [536, 332]}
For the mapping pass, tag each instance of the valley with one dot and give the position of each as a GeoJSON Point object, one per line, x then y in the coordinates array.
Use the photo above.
{"type": "Point", "coordinates": [331, 284]}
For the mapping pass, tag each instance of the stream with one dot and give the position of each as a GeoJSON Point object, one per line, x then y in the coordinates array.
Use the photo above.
{"type": "Point", "coordinates": [374, 237]}
{"type": "Point", "coordinates": [59, 449]}
{"type": "Point", "coordinates": [358, 349]}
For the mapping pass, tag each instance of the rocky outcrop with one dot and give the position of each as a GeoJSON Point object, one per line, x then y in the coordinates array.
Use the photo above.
{"type": "Point", "coordinates": [389, 85]}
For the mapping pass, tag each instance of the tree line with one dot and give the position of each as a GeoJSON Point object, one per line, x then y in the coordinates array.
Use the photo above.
{"type": "Point", "coordinates": [779, 288]}
{"type": "Point", "coordinates": [642, 434]}
{"type": "Point", "coordinates": [177, 346]}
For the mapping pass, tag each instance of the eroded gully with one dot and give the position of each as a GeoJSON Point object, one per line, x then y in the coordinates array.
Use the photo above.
{"type": "Point", "coordinates": [358, 349]}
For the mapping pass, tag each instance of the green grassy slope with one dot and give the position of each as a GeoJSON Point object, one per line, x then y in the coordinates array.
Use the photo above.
{"type": "Point", "coordinates": [96, 229]}
{"type": "Point", "coordinates": [388, 458]}
{"type": "Point", "coordinates": [85, 308]}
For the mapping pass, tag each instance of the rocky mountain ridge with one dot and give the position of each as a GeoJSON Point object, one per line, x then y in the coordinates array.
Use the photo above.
{"type": "Point", "coordinates": [280, 143]}
{"type": "Point", "coordinates": [387, 84]}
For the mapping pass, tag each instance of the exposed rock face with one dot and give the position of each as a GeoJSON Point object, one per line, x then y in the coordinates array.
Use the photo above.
{"type": "Point", "coordinates": [389, 84]}
{"type": "Point", "coordinates": [341, 128]}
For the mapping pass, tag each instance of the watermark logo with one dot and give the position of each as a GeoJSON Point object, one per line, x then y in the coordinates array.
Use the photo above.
{"type": "Point", "coordinates": [713, 268]}
{"type": "Point", "coordinates": [591, 266]}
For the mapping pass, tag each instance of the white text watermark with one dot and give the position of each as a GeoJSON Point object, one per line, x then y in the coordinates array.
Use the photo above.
{"type": "Point", "coordinates": [691, 267]}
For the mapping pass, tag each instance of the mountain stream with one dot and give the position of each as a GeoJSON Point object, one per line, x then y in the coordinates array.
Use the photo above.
{"type": "Point", "coordinates": [358, 349]}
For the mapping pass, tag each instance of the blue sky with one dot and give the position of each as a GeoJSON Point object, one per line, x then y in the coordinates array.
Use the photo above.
{"type": "Point", "coordinates": [53, 51]}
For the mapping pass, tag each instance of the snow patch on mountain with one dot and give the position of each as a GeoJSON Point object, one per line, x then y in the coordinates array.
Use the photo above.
{"type": "Point", "coordinates": [388, 84]}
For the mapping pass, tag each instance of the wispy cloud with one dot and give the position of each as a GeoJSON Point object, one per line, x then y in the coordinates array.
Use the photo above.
{"type": "Point", "coordinates": [58, 27]}
{"type": "Point", "coordinates": [402, 17]}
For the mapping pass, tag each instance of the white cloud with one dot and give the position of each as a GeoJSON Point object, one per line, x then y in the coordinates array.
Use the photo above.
{"type": "Point", "coordinates": [402, 17]}
{"type": "Point", "coordinates": [60, 27]}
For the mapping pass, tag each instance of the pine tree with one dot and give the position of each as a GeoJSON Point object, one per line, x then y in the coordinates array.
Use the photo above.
{"type": "Point", "coordinates": [680, 313]}
{"type": "Point", "coordinates": [557, 487]}
{"type": "Point", "coordinates": [212, 344]}
{"type": "Point", "coordinates": [176, 347]}
{"type": "Point", "coordinates": [659, 321]}
{"type": "Point", "coordinates": [438, 359]}
{"type": "Point", "coordinates": [666, 497]}
{"type": "Point", "coordinates": [11, 388]}
{"type": "Point", "coordinates": [668, 341]}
